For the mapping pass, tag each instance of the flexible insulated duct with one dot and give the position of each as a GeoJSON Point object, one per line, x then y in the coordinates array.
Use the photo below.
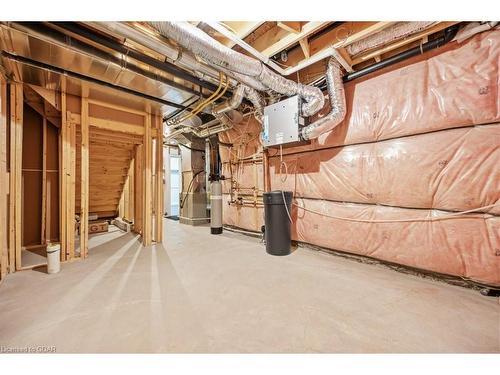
{"type": "Point", "coordinates": [232, 103]}
{"type": "Point", "coordinates": [258, 102]}
{"type": "Point", "coordinates": [242, 91]}
{"type": "Point", "coordinates": [337, 101]}
{"type": "Point", "coordinates": [201, 44]}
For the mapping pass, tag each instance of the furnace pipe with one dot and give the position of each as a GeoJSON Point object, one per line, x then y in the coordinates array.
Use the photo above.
{"type": "Point", "coordinates": [441, 41]}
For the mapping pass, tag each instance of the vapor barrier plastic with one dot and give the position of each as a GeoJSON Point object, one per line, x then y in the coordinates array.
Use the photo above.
{"type": "Point", "coordinates": [455, 169]}
{"type": "Point", "coordinates": [467, 246]}
{"type": "Point", "coordinates": [245, 217]}
{"type": "Point", "coordinates": [456, 88]}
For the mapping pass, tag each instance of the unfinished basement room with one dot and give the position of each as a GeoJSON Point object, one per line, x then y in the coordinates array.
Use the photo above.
{"type": "Point", "coordinates": [249, 186]}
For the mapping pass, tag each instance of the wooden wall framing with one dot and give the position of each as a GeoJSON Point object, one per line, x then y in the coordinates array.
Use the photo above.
{"type": "Point", "coordinates": [84, 174]}
{"type": "Point", "coordinates": [15, 176]}
{"type": "Point", "coordinates": [4, 188]}
{"type": "Point", "coordinates": [82, 133]}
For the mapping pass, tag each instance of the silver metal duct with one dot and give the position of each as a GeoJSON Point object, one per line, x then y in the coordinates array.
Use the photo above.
{"type": "Point", "coordinates": [174, 54]}
{"type": "Point", "coordinates": [390, 34]}
{"type": "Point", "coordinates": [232, 103]}
{"type": "Point", "coordinates": [201, 44]}
{"type": "Point", "coordinates": [227, 121]}
{"type": "Point", "coordinates": [258, 102]}
{"type": "Point", "coordinates": [184, 60]}
{"type": "Point", "coordinates": [242, 91]}
{"type": "Point", "coordinates": [27, 42]}
{"type": "Point", "coordinates": [222, 122]}
{"type": "Point", "coordinates": [337, 101]}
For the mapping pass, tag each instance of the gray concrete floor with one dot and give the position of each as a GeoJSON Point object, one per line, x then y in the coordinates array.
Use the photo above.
{"type": "Point", "coordinates": [203, 293]}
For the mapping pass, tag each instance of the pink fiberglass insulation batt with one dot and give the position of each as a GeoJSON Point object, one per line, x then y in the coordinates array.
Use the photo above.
{"type": "Point", "coordinates": [456, 88]}
{"type": "Point", "coordinates": [409, 140]}
{"type": "Point", "coordinates": [464, 246]}
{"type": "Point", "coordinates": [455, 169]}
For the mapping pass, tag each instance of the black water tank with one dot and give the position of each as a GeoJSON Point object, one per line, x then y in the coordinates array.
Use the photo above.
{"type": "Point", "coordinates": [278, 233]}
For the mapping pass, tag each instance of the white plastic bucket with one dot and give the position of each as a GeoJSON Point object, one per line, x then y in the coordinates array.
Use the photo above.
{"type": "Point", "coordinates": [53, 258]}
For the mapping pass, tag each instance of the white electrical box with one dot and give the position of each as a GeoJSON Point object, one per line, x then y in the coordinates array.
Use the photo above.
{"type": "Point", "coordinates": [282, 122]}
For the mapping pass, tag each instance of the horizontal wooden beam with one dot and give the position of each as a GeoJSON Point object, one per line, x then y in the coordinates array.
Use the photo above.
{"type": "Point", "coordinates": [291, 26]}
{"type": "Point", "coordinates": [241, 29]}
{"type": "Point", "coordinates": [338, 37]}
{"type": "Point", "coordinates": [402, 42]}
{"type": "Point", "coordinates": [117, 107]}
{"type": "Point", "coordinates": [111, 125]}
{"type": "Point", "coordinates": [277, 39]}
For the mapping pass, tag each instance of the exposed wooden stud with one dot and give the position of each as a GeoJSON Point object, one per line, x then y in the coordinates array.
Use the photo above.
{"type": "Point", "coordinates": [84, 165]}
{"type": "Point", "coordinates": [4, 255]}
{"type": "Point", "coordinates": [275, 41]}
{"type": "Point", "coordinates": [147, 216]}
{"type": "Point", "coordinates": [345, 55]}
{"type": "Point", "coordinates": [48, 211]}
{"type": "Point", "coordinates": [71, 190]}
{"type": "Point", "coordinates": [139, 185]}
{"type": "Point", "coordinates": [63, 171]}
{"type": "Point", "coordinates": [159, 182]}
{"type": "Point", "coordinates": [304, 44]}
{"type": "Point", "coordinates": [16, 144]}
{"type": "Point", "coordinates": [241, 29]}
{"type": "Point", "coordinates": [131, 184]}
{"type": "Point", "coordinates": [338, 37]}
{"type": "Point", "coordinates": [291, 26]}
{"type": "Point", "coordinates": [44, 183]}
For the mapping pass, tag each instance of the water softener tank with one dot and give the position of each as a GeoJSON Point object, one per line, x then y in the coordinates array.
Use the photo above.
{"type": "Point", "coordinates": [216, 207]}
{"type": "Point", "coordinates": [277, 207]}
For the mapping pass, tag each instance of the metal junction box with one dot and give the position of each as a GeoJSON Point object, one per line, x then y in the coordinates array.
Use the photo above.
{"type": "Point", "coordinates": [282, 122]}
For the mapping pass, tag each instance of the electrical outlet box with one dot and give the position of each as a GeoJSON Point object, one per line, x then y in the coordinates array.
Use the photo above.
{"type": "Point", "coordinates": [282, 122]}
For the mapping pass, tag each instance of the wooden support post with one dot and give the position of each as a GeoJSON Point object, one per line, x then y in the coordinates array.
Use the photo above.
{"type": "Point", "coordinates": [159, 182]}
{"type": "Point", "coordinates": [71, 191]}
{"type": "Point", "coordinates": [16, 154]}
{"type": "Point", "coordinates": [139, 185]}
{"type": "Point", "coordinates": [147, 214]}
{"type": "Point", "coordinates": [131, 185]}
{"type": "Point", "coordinates": [48, 224]}
{"type": "Point", "coordinates": [4, 254]}
{"type": "Point", "coordinates": [126, 196]}
{"type": "Point", "coordinates": [304, 44]}
{"type": "Point", "coordinates": [63, 170]}
{"type": "Point", "coordinates": [43, 235]}
{"type": "Point", "coordinates": [84, 190]}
